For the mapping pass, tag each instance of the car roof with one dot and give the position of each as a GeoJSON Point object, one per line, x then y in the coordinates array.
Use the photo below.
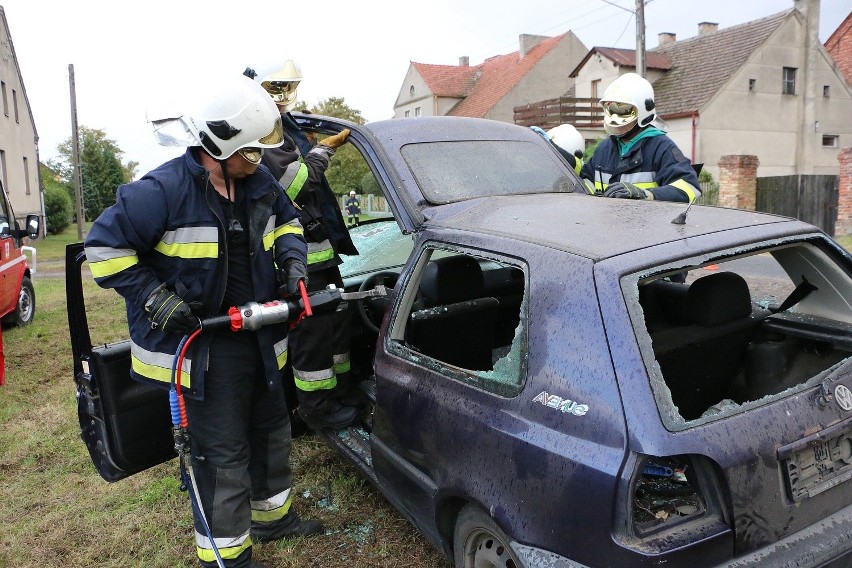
{"type": "Point", "coordinates": [599, 228]}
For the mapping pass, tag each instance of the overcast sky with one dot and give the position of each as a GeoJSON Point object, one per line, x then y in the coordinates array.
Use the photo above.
{"type": "Point", "coordinates": [127, 55]}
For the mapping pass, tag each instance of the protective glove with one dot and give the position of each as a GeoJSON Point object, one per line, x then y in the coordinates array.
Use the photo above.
{"type": "Point", "coordinates": [625, 190]}
{"type": "Point", "coordinates": [168, 311]}
{"type": "Point", "coordinates": [337, 140]}
{"type": "Point", "coordinates": [293, 271]}
{"type": "Point", "coordinates": [540, 132]}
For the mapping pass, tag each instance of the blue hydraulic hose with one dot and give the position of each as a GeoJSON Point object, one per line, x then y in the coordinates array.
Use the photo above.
{"type": "Point", "coordinates": [185, 471]}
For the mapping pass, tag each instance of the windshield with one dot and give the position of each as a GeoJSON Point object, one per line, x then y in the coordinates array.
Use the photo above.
{"type": "Point", "coordinates": [380, 246]}
{"type": "Point", "coordinates": [456, 171]}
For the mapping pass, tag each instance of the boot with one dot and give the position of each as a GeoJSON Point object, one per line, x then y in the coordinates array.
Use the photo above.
{"type": "Point", "coordinates": [291, 526]}
{"type": "Point", "coordinates": [337, 417]}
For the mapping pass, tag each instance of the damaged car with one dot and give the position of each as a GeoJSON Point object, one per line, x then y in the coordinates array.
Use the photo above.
{"type": "Point", "coordinates": [562, 380]}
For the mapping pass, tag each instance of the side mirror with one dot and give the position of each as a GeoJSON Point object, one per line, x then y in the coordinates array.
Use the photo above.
{"type": "Point", "coordinates": [33, 226]}
{"type": "Point", "coordinates": [5, 228]}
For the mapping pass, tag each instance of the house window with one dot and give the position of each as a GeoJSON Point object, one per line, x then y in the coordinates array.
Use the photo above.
{"type": "Point", "coordinates": [788, 81]}
{"type": "Point", "coordinates": [830, 141]}
{"type": "Point", "coordinates": [27, 176]}
{"type": "Point", "coordinates": [411, 90]}
{"type": "Point", "coordinates": [596, 87]}
{"type": "Point", "coordinates": [752, 85]}
{"type": "Point", "coordinates": [826, 91]}
{"type": "Point", "coordinates": [15, 104]}
{"type": "Point", "coordinates": [407, 113]}
{"type": "Point", "coordinates": [416, 111]}
{"type": "Point", "coordinates": [5, 98]}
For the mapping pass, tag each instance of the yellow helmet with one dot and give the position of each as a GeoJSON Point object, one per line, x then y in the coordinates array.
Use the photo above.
{"type": "Point", "coordinates": [282, 84]}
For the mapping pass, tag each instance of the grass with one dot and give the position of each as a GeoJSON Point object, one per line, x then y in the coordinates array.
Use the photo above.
{"type": "Point", "coordinates": [56, 510]}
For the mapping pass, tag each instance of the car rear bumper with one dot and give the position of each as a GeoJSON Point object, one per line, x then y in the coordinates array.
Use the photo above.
{"type": "Point", "coordinates": [818, 545]}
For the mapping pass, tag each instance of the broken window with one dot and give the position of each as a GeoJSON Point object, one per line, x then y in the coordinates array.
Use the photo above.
{"type": "Point", "coordinates": [735, 332]}
{"type": "Point", "coordinates": [463, 314]}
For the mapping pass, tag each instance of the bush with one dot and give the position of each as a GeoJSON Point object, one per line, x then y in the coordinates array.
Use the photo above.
{"type": "Point", "coordinates": [57, 209]}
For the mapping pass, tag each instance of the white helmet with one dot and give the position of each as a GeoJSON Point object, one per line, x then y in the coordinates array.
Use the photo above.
{"type": "Point", "coordinates": [352, 193]}
{"type": "Point", "coordinates": [282, 84]}
{"type": "Point", "coordinates": [566, 137]}
{"type": "Point", "coordinates": [628, 102]}
{"type": "Point", "coordinates": [236, 114]}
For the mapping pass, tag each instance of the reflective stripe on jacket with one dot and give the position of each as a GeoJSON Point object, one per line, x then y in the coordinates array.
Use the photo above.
{"type": "Point", "coordinates": [168, 227]}
{"type": "Point", "coordinates": [653, 163]}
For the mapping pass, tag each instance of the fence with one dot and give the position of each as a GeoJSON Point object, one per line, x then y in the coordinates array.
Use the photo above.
{"type": "Point", "coordinates": [581, 112]}
{"type": "Point", "coordinates": [370, 204]}
{"type": "Point", "coordinates": [812, 199]}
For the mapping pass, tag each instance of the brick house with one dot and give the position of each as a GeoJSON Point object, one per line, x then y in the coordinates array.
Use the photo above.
{"type": "Point", "coordinates": [18, 137]}
{"type": "Point", "coordinates": [839, 45]}
{"type": "Point", "coordinates": [494, 87]}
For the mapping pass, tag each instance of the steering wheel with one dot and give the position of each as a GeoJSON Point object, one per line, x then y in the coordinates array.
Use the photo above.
{"type": "Point", "coordinates": [372, 310]}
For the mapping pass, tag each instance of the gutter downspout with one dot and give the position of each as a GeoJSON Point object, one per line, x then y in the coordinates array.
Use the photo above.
{"type": "Point", "coordinates": [694, 132]}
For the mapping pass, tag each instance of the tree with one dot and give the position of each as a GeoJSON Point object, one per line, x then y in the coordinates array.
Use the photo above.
{"type": "Point", "coordinates": [100, 166]}
{"type": "Point", "coordinates": [57, 205]}
{"type": "Point", "coordinates": [347, 168]}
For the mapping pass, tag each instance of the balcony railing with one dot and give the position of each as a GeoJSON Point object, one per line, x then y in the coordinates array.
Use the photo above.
{"type": "Point", "coordinates": [581, 112]}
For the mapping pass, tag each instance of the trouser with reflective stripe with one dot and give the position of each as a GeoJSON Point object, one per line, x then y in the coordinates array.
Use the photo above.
{"type": "Point", "coordinates": [319, 350]}
{"type": "Point", "coordinates": [240, 450]}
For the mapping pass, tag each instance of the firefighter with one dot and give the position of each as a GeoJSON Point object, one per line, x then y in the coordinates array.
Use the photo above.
{"type": "Point", "coordinates": [320, 344]}
{"type": "Point", "coordinates": [637, 160]}
{"type": "Point", "coordinates": [567, 141]}
{"type": "Point", "coordinates": [200, 233]}
{"type": "Point", "coordinates": [353, 208]}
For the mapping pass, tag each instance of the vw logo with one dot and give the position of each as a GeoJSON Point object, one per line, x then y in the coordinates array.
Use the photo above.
{"type": "Point", "coordinates": [843, 396]}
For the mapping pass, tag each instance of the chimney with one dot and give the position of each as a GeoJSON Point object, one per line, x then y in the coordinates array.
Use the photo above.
{"type": "Point", "coordinates": [707, 28]}
{"type": "Point", "coordinates": [464, 61]}
{"type": "Point", "coordinates": [666, 37]}
{"type": "Point", "coordinates": [528, 42]}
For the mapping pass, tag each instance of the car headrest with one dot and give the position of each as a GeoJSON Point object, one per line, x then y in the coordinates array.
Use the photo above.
{"type": "Point", "coordinates": [452, 279]}
{"type": "Point", "coordinates": [718, 298]}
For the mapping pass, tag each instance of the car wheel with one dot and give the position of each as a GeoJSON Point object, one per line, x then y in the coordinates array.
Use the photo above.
{"type": "Point", "coordinates": [479, 542]}
{"type": "Point", "coordinates": [25, 309]}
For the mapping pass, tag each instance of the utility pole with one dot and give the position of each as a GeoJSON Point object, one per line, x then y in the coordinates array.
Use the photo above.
{"type": "Point", "coordinates": [75, 157]}
{"type": "Point", "coordinates": [640, 38]}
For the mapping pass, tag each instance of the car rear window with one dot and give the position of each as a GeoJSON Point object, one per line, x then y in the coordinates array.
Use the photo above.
{"type": "Point", "coordinates": [456, 171]}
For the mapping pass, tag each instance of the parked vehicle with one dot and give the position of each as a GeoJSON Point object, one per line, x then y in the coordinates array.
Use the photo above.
{"type": "Point", "coordinates": [564, 380]}
{"type": "Point", "coordinates": [17, 296]}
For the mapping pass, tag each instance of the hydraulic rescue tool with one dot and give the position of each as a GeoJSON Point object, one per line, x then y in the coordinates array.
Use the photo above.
{"type": "Point", "coordinates": [249, 317]}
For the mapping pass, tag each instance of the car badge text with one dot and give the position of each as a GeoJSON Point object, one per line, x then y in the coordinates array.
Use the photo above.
{"type": "Point", "coordinates": [563, 404]}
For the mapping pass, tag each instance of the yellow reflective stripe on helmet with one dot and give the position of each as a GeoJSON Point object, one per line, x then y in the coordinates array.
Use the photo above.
{"type": "Point", "coordinates": [190, 242]}
{"type": "Point", "coordinates": [157, 366]}
{"type": "Point", "coordinates": [272, 509]}
{"type": "Point", "coordinates": [298, 182]}
{"type": "Point", "coordinates": [229, 548]}
{"type": "Point", "coordinates": [271, 232]}
{"type": "Point", "coordinates": [113, 266]}
{"type": "Point", "coordinates": [690, 190]}
{"type": "Point", "coordinates": [320, 252]}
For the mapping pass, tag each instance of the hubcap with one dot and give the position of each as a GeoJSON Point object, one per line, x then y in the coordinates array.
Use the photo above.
{"type": "Point", "coordinates": [484, 550]}
{"type": "Point", "coordinates": [25, 305]}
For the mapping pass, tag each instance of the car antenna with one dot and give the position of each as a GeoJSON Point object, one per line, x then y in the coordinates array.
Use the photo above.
{"type": "Point", "coordinates": [681, 218]}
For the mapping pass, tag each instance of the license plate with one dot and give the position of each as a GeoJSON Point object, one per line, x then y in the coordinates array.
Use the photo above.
{"type": "Point", "coordinates": [818, 463]}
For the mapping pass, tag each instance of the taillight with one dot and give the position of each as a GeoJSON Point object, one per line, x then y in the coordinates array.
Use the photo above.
{"type": "Point", "coordinates": [671, 502]}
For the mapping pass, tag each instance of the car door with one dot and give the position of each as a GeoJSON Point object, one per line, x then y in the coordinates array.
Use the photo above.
{"type": "Point", "coordinates": [10, 272]}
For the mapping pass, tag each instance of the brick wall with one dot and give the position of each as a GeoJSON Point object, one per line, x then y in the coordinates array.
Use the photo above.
{"type": "Point", "coordinates": [843, 225]}
{"type": "Point", "coordinates": [738, 181]}
{"type": "Point", "coordinates": [839, 45]}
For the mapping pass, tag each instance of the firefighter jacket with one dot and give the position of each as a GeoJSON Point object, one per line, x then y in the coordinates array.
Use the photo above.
{"type": "Point", "coordinates": [169, 228]}
{"type": "Point", "coordinates": [650, 161]}
{"type": "Point", "coordinates": [300, 167]}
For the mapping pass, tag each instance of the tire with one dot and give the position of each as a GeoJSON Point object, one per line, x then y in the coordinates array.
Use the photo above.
{"type": "Point", "coordinates": [479, 543]}
{"type": "Point", "coordinates": [25, 308]}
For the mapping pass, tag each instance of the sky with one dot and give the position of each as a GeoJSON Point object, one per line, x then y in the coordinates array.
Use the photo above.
{"type": "Point", "coordinates": [127, 56]}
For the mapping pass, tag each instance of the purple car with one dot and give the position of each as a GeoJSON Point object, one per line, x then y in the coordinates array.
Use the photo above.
{"type": "Point", "coordinates": [560, 380]}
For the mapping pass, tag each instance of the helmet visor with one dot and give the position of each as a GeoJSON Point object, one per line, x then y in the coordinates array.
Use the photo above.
{"type": "Point", "coordinates": [275, 137]}
{"type": "Point", "coordinates": [619, 118]}
{"type": "Point", "coordinates": [251, 155]}
{"type": "Point", "coordinates": [281, 91]}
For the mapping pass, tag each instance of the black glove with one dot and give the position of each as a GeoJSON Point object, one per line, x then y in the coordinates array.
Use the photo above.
{"type": "Point", "coordinates": [293, 271]}
{"type": "Point", "coordinates": [625, 190]}
{"type": "Point", "coordinates": [169, 312]}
